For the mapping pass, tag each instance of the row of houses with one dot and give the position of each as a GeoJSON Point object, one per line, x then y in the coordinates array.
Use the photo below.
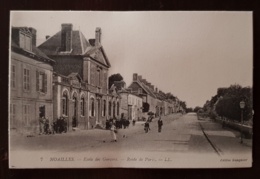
{"type": "Point", "coordinates": [67, 76]}
{"type": "Point", "coordinates": [141, 98]}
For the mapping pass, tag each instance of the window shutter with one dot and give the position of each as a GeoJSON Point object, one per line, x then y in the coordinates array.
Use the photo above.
{"type": "Point", "coordinates": [13, 109]}
{"type": "Point", "coordinates": [45, 83]}
{"type": "Point", "coordinates": [24, 79]}
{"type": "Point", "coordinates": [37, 81]}
{"type": "Point", "coordinates": [28, 79]}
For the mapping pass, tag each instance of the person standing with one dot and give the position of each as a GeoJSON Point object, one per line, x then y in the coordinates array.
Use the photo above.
{"type": "Point", "coordinates": [146, 126]}
{"type": "Point", "coordinates": [160, 124]}
{"type": "Point", "coordinates": [41, 121]}
{"type": "Point", "coordinates": [113, 132]}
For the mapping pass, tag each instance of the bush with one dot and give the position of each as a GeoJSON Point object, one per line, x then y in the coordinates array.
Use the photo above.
{"type": "Point", "coordinates": [212, 115]}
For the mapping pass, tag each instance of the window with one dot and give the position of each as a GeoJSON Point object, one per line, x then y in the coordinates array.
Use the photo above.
{"type": "Point", "coordinates": [98, 78]}
{"type": "Point", "coordinates": [92, 112]}
{"type": "Point", "coordinates": [65, 104]}
{"type": "Point", "coordinates": [26, 79]}
{"type": "Point", "coordinates": [129, 100]}
{"type": "Point", "coordinates": [41, 82]}
{"type": "Point", "coordinates": [26, 114]}
{"type": "Point", "coordinates": [104, 107]}
{"type": "Point", "coordinates": [114, 109]}
{"type": "Point", "coordinates": [74, 100]}
{"type": "Point", "coordinates": [12, 114]}
{"type": "Point", "coordinates": [140, 90]}
{"type": "Point", "coordinates": [109, 108]}
{"type": "Point", "coordinates": [25, 42]}
{"type": "Point", "coordinates": [42, 111]}
{"type": "Point", "coordinates": [13, 72]}
{"type": "Point", "coordinates": [82, 106]}
{"type": "Point", "coordinates": [117, 108]}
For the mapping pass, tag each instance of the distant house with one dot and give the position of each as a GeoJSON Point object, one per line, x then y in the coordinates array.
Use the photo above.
{"type": "Point", "coordinates": [81, 68]}
{"type": "Point", "coordinates": [153, 100]}
{"type": "Point", "coordinates": [146, 90]}
{"type": "Point", "coordinates": [131, 105]}
{"type": "Point", "coordinates": [30, 82]}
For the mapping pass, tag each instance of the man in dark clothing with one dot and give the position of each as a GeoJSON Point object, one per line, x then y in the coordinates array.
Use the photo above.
{"type": "Point", "coordinates": [146, 126]}
{"type": "Point", "coordinates": [160, 123]}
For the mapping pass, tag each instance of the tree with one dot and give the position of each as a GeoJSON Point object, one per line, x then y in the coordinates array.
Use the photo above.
{"type": "Point", "coordinates": [189, 110]}
{"type": "Point", "coordinates": [183, 105]}
{"type": "Point", "coordinates": [228, 105]}
{"type": "Point", "coordinates": [113, 78]}
{"type": "Point", "coordinates": [197, 108]}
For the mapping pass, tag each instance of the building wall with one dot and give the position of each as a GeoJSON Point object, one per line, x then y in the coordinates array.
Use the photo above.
{"type": "Point", "coordinates": [135, 103]}
{"type": "Point", "coordinates": [23, 118]}
{"type": "Point", "coordinates": [59, 89]}
{"type": "Point", "coordinates": [131, 106]}
{"type": "Point", "coordinates": [115, 102]}
{"type": "Point", "coordinates": [98, 77]}
{"type": "Point", "coordinates": [152, 102]}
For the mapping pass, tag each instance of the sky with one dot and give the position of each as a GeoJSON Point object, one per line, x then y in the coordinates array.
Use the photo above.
{"type": "Point", "coordinates": [188, 53]}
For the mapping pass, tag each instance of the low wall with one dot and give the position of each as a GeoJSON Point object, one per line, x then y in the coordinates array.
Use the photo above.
{"type": "Point", "coordinates": [246, 130]}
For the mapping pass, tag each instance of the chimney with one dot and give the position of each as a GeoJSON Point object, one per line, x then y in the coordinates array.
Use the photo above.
{"type": "Point", "coordinates": [140, 77]}
{"type": "Point", "coordinates": [47, 36]}
{"type": "Point", "coordinates": [66, 37]}
{"type": "Point", "coordinates": [152, 86]}
{"type": "Point", "coordinates": [144, 81]}
{"type": "Point", "coordinates": [135, 76]}
{"type": "Point", "coordinates": [33, 32]}
{"type": "Point", "coordinates": [156, 90]}
{"type": "Point", "coordinates": [98, 36]}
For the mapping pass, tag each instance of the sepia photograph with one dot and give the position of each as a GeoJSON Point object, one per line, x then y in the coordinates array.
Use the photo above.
{"type": "Point", "coordinates": [153, 89]}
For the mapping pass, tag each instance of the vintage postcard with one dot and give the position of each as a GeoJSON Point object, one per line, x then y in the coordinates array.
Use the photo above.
{"type": "Point", "coordinates": [90, 89]}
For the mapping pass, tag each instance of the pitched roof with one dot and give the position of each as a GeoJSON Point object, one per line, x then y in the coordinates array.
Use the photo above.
{"type": "Point", "coordinates": [53, 44]}
{"type": "Point", "coordinates": [35, 53]}
{"type": "Point", "coordinates": [144, 87]}
{"type": "Point", "coordinates": [80, 46]}
{"type": "Point", "coordinates": [94, 53]}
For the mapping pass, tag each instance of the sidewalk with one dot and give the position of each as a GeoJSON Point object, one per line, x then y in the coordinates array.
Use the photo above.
{"type": "Point", "coordinates": [226, 140]}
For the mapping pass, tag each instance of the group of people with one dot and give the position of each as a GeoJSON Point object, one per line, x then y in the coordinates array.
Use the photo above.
{"type": "Point", "coordinates": [44, 126]}
{"type": "Point", "coordinates": [111, 125]}
{"type": "Point", "coordinates": [147, 125]}
{"type": "Point", "coordinates": [58, 126]}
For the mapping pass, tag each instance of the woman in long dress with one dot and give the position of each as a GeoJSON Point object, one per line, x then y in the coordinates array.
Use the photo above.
{"type": "Point", "coordinates": [113, 132]}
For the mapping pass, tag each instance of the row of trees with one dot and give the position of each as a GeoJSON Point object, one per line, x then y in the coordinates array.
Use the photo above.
{"type": "Point", "coordinates": [226, 103]}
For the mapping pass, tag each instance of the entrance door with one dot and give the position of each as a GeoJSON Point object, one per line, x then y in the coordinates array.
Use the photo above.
{"type": "Point", "coordinates": [98, 111]}
{"type": "Point", "coordinates": [42, 111]}
{"type": "Point", "coordinates": [75, 109]}
{"type": "Point", "coordinates": [130, 115]}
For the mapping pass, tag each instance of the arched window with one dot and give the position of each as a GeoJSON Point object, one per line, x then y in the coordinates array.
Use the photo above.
{"type": "Point", "coordinates": [117, 108]}
{"type": "Point", "coordinates": [109, 108]}
{"type": "Point", "coordinates": [82, 106]}
{"type": "Point", "coordinates": [104, 107]}
{"type": "Point", "coordinates": [74, 100]}
{"type": "Point", "coordinates": [92, 107]}
{"type": "Point", "coordinates": [65, 103]}
{"type": "Point", "coordinates": [114, 109]}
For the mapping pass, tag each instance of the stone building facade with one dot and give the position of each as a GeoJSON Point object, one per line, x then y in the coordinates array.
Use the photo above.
{"type": "Point", "coordinates": [131, 105]}
{"type": "Point", "coordinates": [30, 82]}
{"type": "Point", "coordinates": [82, 68]}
